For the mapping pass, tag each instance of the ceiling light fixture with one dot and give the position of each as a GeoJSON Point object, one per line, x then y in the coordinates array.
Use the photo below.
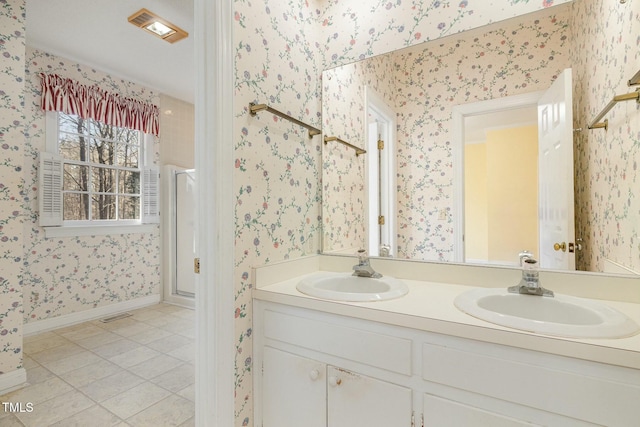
{"type": "Point", "coordinates": [157, 26]}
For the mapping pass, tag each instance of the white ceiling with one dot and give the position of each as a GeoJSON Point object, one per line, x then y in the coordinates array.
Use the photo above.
{"type": "Point", "coordinates": [97, 33]}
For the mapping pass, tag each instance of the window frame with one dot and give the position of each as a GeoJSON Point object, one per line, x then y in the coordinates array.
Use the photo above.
{"type": "Point", "coordinates": [100, 226]}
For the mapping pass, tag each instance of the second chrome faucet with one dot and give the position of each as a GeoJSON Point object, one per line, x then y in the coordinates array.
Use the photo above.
{"type": "Point", "coordinates": [363, 267]}
{"type": "Point", "coordinates": [530, 283]}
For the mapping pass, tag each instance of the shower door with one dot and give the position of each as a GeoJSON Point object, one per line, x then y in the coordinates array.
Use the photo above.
{"type": "Point", "coordinates": [184, 281]}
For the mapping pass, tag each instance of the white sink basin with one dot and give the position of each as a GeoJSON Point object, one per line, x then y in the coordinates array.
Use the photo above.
{"type": "Point", "coordinates": [346, 287]}
{"type": "Point", "coordinates": [562, 315]}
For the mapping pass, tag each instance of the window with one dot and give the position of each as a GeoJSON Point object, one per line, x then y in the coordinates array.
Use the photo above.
{"type": "Point", "coordinates": [102, 179]}
{"type": "Point", "coordinates": [101, 170]}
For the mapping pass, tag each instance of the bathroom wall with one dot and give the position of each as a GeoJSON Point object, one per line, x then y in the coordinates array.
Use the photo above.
{"type": "Point", "coordinates": [511, 167]}
{"type": "Point", "coordinates": [277, 166]}
{"type": "Point", "coordinates": [606, 56]}
{"type": "Point", "coordinates": [71, 274]}
{"type": "Point", "coordinates": [177, 126]}
{"type": "Point", "coordinates": [498, 172]}
{"type": "Point", "coordinates": [476, 221]}
{"type": "Point", "coordinates": [281, 50]}
{"type": "Point", "coordinates": [12, 126]}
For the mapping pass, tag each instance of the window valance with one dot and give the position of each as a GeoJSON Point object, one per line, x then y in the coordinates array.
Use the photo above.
{"type": "Point", "coordinates": [90, 102]}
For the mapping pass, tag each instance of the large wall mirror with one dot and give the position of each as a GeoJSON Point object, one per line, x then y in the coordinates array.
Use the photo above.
{"type": "Point", "coordinates": [457, 178]}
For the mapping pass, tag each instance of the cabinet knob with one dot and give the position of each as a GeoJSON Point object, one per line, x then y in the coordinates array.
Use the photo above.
{"type": "Point", "coordinates": [314, 374]}
{"type": "Point", "coordinates": [334, 382]}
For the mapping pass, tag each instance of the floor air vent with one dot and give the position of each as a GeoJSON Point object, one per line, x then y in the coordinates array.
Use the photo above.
{"type": "Point", "coordinates": [116, 317]}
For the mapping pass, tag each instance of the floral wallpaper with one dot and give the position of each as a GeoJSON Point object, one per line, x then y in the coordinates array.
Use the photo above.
{"type": "Point", "coordinates": [281, 49]}
{"type": "Point", "coordinates": [352, 31]}
{"type": "Point", "coordinates": [277, 166]}
{"type": "Point", "coordinates": [606, 56]}
{"type": "Point", "coordinates": [426, 81]}
{"type": "Point", "coordinates": [69, 274]}
{"type": "Point", "coordinates": [12, 48]}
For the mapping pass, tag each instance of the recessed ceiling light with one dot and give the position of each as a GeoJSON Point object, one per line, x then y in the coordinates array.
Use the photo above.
{"type": "Point", "coordinates": [157, 26]}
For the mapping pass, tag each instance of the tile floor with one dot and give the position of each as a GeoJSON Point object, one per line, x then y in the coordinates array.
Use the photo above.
{"type": "Point", "coordinates": [137, 371]}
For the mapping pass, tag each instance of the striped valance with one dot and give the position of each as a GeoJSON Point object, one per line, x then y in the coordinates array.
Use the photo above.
{"type": "Point", "coordinates": [90, 102]}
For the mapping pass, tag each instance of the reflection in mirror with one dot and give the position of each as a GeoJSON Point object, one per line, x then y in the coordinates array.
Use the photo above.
{"type": "Point", "coordinates": [500, 183]}
{"type": "Point", "coordinates": [423, 84]}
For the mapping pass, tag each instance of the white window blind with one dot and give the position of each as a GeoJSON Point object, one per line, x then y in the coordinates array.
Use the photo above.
{"type": "Point", "coordinates": [50, 186]}
{"type": "Point", "coordinates": [151, 196]}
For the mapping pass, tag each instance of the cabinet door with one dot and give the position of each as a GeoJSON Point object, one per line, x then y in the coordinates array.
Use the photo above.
{"type": "Point", "coordinates": [357, 400]}
{"type": "Point", "coordinates": [293, 390]}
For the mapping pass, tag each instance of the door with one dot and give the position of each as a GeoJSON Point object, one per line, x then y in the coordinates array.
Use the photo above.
{"type": "Point", "coordinates": [293, 390]}
{"type": "Point", "coordinates": [380, 175]}
{"type": "Point", "coordinates": [555, 175]}
{"type": "Point", "coordinates": [357, 400]}
{"type": "Point", "coordinates": [373, 189]}
{"type": "Point", "coordinates": [185, 233]}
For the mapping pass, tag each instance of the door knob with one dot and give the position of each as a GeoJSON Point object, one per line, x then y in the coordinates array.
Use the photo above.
{"type": "Point", "coordinates": [314, 374]}
{"type": "Point", "coordinates": [560, 246]}
{"type": "Point", "coordinates": [333, 381]}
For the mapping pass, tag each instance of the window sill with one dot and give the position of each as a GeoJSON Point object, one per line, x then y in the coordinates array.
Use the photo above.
{"type": "Point", "coordinates": [100, 230]}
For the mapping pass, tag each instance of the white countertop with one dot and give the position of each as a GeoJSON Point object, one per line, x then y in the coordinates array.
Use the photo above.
{"type": "Point", "coordinates": [429, 307]}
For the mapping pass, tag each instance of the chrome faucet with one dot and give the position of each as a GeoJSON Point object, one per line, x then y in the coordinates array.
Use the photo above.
{"type": "Point", "coordinates": [525, 254]}
{"type": "Point", "coordinates": [363, 267]}
{"type": "Point", "coordinates": [385, 250]}
{"type": "Point", "coordinates": [530, 283]}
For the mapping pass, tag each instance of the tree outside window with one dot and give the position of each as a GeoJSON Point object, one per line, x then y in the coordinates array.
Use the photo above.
{"type": "Point", "coordinates": [101, 170]}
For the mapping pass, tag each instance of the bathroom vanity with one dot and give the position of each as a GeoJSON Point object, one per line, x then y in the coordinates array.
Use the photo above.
{"type": "Point", "coordinates": [417, 360]}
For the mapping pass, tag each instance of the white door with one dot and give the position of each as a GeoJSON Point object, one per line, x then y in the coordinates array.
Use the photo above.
{"type": "Point", "coordinates": [555, 175]}
{"type": "Point", "coordinates": [357, 400]}
{"type": "Point", "coordinates": [380, 174]}
{"type": "Point", "coordinates": [294, 390]}
{"type": "Point", "coordinates": [185, 233]}
{"type": "Point", "coordinates": [373, 186]}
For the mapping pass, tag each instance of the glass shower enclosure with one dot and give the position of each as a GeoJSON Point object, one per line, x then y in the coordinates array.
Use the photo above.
{"type": "Point", "coordinates": [179, 236]}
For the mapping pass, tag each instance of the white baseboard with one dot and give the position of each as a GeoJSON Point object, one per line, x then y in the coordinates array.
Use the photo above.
{"type": "Point", "coordinates": [182, 301]}
{"type": "Point", "coordinates": [12, 380]}
{"type": "Point", "coordinates": [86, 315]}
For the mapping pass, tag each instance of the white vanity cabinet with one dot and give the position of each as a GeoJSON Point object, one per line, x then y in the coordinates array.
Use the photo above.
{"type": "Point", "coordinates": [294, 390]}
{"type": "Point", "coordinates": [314, 368]}
{"type": "Point", "coordinates": [357, 400]}
{"type": "Point", "coordinates": [298, 391]}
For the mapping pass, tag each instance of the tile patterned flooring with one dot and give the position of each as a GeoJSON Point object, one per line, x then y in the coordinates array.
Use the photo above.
{"type": "Point", "coordinates": [137, 372]}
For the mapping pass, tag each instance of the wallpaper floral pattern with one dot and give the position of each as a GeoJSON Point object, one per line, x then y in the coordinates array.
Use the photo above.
{"type": "Point", "coordinates": [607, 55]}
{"type": "Point", "coordinates": [281, 49]}
{"type": "Point", "coordinates": [277, 166]}
{"type": "Point", "coordinates": [70, 274]}
{"type": "Point", "coordinates": [12, 48]}
{"type": "Point", "coordinates": [423, 83]}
